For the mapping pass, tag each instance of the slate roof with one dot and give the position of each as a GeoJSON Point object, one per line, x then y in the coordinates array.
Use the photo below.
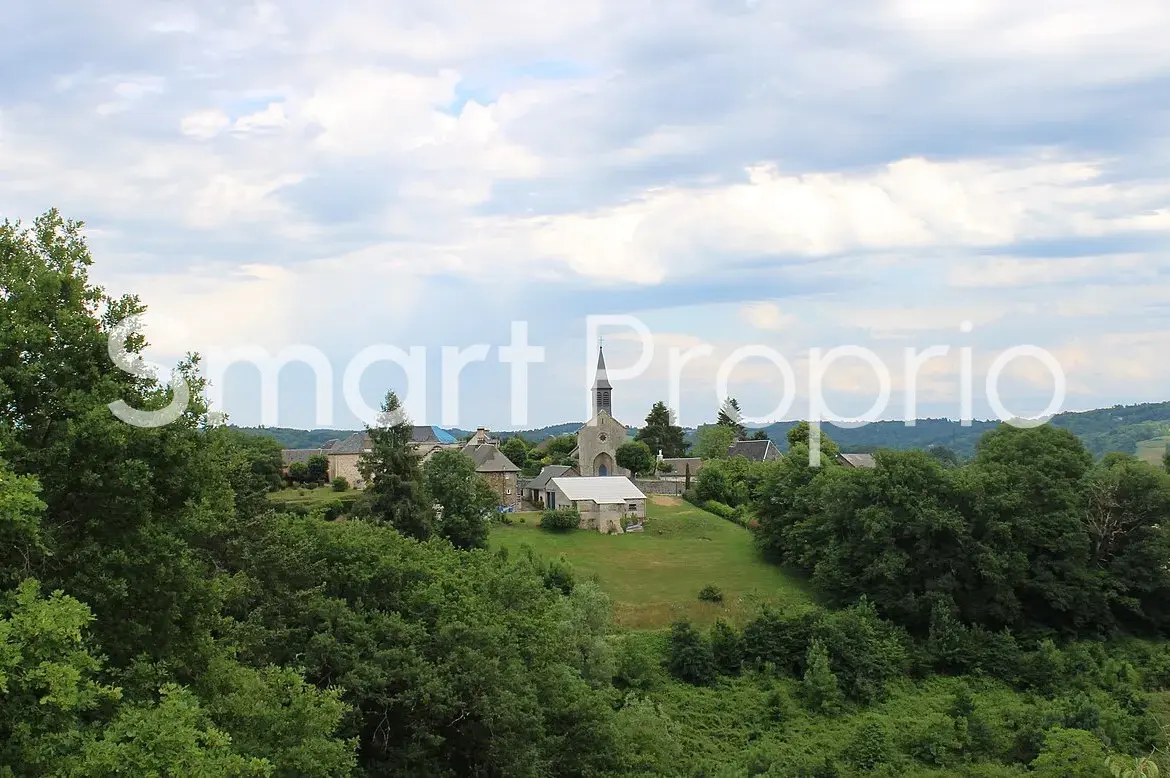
{"type": "Point", "coordinates": [547, 473]}
{"type": "Point", "coordinates": [857, 460]}
{"type": "Point", "coordinates": [357, 443]}
{"type": "Point", "coordinates": [755, 450]}
{"type": "Point", "coordinates": [290, 455]}
{"type": "Point", "coordinates": [489, 459]}
{"type": "Point", "coordinates": [599, 489]}
{"type": "Point", "coordinates": [601, 379]}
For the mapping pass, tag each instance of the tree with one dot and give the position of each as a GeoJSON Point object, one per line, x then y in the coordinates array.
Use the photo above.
{"type": "Point", "coordinates": [340, 484]}
{"type": "Point", "coordinates": [713, 442]}
{"type": "Point", "coordinates": [661, 434]}
{"type": "Point", "coordinates": [945, 456]}
{"type": "Point", "coordinates": [691, 659]}
{"type": "Point", "coordinates": [731, 417]}
{"type": "Point", "coordinates": [317, 469]}
{"type": "Point", "coordinates": [1166, 460]}
{"type": "Point", "coordinates": [821, 691]}
{"type": "Point", "coordinates": [395, 492]}
{"type": "Point", "coordinates": [515, 449]}
{"type": "Point", "coordinates": [298, 472]}
{"type": "Point", "coordinates": [465, 498]}
{"type": "Point", "coordinates": [635, 457]}
{"type": "Point", "coordinates": [759, 434]}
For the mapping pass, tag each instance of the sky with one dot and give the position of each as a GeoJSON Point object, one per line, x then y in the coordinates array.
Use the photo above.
{"type": "Point", "coordinates": [742, 177]}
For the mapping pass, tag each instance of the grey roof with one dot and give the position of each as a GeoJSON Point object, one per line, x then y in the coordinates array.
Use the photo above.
{"type": "Point", "coordinates": [329, 444]}
{"type": "Point", "coordinates": [858, 460]}
{"type": "Point", "coordinates": [602, 380]}
{"type": "Point", "coordinates": [489, 459]}
{"type": "Point", "coordinates": [290, 455]}
{"type": "Point", "coordinates": [599, 489]}
{"type": "Point", "coordinates": [357, 443]}
{"type": "Point", "coordinates": [755, 450]}
{"type": "Point", "coordinates": [547, 473]}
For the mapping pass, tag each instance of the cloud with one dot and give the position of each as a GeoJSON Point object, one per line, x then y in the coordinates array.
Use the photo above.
{"type": "Point", "coordinates": [868, 173]}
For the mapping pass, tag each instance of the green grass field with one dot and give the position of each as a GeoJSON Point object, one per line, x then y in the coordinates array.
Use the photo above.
{"type": "Point", "coordinates": [654, 577]}
{"type": "Point", "coordinates": [1152, 450]}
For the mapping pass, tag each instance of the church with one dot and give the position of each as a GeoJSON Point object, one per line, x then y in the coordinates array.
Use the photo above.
{"type": "Point", "coordinates": [597, 488]}
{"type": "Point", "coordinates": [599, 439]}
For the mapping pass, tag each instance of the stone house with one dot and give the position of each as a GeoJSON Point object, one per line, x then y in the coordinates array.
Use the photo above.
{"type": "Point", "coordinates": [602, 501]}
{"type": "Point", "coordinates": [343, 455]}
{"type": "Point", "coordinates": [499, 471]}
{"type": "Point", "coordinates": [533, 490]}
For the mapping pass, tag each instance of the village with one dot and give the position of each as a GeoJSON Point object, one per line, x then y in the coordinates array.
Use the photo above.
{"type": "Point", "coordinates": [610, 499]}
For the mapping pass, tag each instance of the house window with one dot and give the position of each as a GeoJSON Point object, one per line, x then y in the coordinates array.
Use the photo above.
{"type": "Point", "coordinates": [633, 507]}
{"type": "Point", "coordinates": [507, 491]}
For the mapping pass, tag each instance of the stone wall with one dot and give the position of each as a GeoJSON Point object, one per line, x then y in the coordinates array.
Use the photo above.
{"type": "Point", "coordinates": [346, 466]}
{"type": "Point", "coordinates": [667, 486]}
{"type": "Point", "coordinates": [506, 489]}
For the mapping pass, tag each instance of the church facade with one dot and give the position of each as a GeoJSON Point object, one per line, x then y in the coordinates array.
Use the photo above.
{"type": "Point", "coordinates": [599, 439]}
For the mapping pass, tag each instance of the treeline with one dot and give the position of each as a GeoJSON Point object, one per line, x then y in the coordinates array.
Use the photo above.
{"type": "Point", "coordinates": [1102, 431]}
{"type": "Point", "coordinates": [158, 617]}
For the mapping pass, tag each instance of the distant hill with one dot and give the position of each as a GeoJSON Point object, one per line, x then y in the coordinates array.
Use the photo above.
{"type": "Point", "coordinates": [1120, 428]}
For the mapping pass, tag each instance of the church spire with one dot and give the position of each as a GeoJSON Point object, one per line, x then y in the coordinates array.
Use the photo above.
{"type": "Point", "coordinates": [602, 389]}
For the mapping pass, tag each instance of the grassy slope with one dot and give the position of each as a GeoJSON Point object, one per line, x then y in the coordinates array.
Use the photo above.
{"type": "Point", "coordinates": [654, 577]}
{"type": "Point", "coordinates": [1152, 450]}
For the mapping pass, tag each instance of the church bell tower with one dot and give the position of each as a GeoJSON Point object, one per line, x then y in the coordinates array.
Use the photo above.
{"type": "Point", "coordinates": [602, 390]}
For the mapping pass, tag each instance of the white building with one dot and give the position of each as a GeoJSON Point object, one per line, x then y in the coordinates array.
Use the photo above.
{"type": "Point", "coordinates": [602, 501]}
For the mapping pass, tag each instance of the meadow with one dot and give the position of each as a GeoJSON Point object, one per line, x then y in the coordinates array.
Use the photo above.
{"type": "Point", "coordinates": [654, 577]}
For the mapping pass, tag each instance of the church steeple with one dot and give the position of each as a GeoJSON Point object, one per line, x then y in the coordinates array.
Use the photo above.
{"type": "Point", "coordinates": [602, 390]}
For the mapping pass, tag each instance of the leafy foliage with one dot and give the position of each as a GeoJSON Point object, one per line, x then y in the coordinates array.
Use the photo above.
{"type": "Point", "coordinates": [635, 456]}
{"type": "Point", "coordinates": [661, 434]}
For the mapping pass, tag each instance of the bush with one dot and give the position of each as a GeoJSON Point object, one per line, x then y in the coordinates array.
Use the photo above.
{"type": "Point", "coordinates": [711, 593]}
{"type": "Point", "coordinates": [560, 520]}
{"type": "Point", "coordinates": [691, 659]}
{"type": "Point", "coordinates": [726, 648]}
{"type": "Point", "coordinates": [719, 509]}
{"type": "Point", "coordinates": [340, 484]}
{"type": "Point", "coordinates": [334, 509]}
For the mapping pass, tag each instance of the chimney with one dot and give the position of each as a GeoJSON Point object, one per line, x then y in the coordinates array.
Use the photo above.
{"type": "Point", "coordinates": [481, 435]}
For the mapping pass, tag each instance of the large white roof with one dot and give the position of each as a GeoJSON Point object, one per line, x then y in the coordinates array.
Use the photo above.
{"type": "Point", "coordinates": [599, 489]}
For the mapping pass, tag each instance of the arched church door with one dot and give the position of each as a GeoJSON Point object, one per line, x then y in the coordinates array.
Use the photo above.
{"type": "Point", "coordinates": [603, 470]}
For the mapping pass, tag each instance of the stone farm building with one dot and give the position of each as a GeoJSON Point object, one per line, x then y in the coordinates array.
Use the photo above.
{"type": "Point", "coordinates": [602, 501]}
{"type": "Point", "coordinates": [490, 462]}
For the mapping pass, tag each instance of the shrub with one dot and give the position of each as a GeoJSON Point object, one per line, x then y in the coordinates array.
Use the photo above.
{"type": "Point", "coordinates": [780, 640]}
{"type": "Point", "coordinates": [719, 509]}
{"type": "Point", "coordinates": [869, 747]}
{"type": "Point", "coordinates": [340, 484]}
{"type": "Point", "coordinates": [559, 575]}
{"type": "Point", "coordinates": [334, 509]}
{"type": "Point", "coordinates": [711, 593]}
{"type": "Point", "coordinates": [726, 648]}
{"type": "Point", "coordinates": [691, 659]}
{"type": "Point", "coordinates": [560, 520]}
{"type": "Point", "coordinates": [821, 691]}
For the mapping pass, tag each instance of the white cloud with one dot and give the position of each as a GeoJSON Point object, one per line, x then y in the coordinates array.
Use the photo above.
{"type": "Point", "coordinates": [204, 124]}
{"type": "Point", "coordinates": [766, 316]}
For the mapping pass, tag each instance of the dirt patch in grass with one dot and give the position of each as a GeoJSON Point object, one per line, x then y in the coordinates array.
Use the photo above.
{"type": "Point", "coordinates": [662, 499]}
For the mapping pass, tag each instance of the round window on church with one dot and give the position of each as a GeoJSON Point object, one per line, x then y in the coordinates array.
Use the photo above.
{"type": "Point", "coordinates": [603, 437]}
